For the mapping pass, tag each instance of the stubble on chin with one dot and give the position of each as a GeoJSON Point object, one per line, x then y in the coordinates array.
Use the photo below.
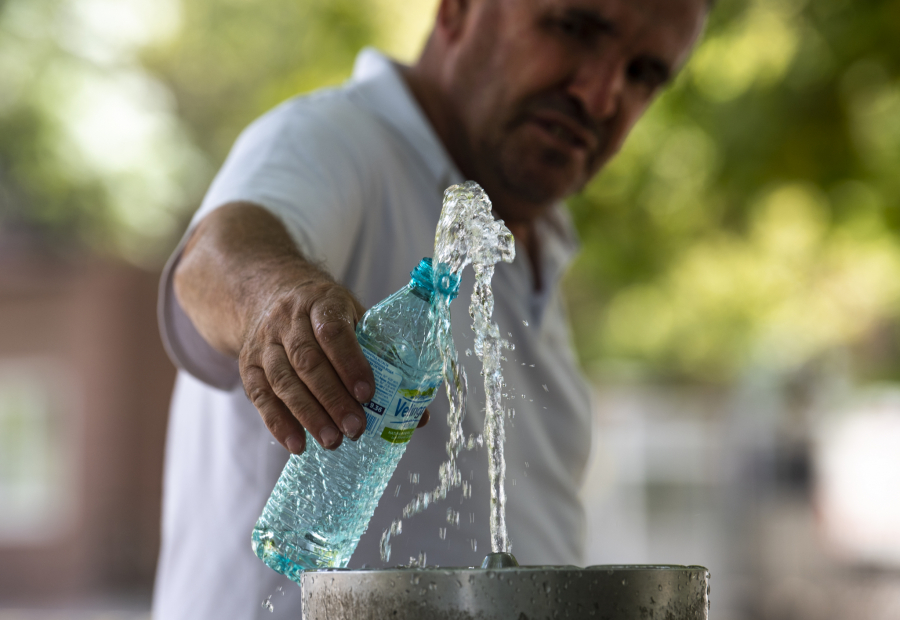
{"type": "Point", "coordinates": [539, 176]}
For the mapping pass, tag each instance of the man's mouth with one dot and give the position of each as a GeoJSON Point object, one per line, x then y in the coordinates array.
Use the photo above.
{"type": "Point", "coordinates": [566, 131]}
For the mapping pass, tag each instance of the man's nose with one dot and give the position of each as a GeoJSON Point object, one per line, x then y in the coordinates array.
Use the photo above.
{"type": "Point", "coordinates": [598, 84]}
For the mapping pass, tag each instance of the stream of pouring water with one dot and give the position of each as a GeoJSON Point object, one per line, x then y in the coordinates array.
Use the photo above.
{"type": "Point", "coordinates": [467, 233]}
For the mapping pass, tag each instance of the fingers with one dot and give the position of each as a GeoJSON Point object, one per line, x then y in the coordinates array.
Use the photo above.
{"type": "Point", "coordinates": [295, 393]}
{"type": "Point", "coordinates": [318, 375]}
{"type": "Point", "coordinates": [277, 417]}
{"type": "Point", "coordinates": [303, 367]}
{"type": "Point", "coordinates": [333, 321]}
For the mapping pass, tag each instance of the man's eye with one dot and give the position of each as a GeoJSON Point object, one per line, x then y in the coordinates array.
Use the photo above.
{"type": "Point", "coordinates": [576, 29]}
{"type": "Point", "coordinates": [648, 72]}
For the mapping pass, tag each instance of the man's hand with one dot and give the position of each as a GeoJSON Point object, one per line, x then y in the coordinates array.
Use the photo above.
{"type": "Point", "coordinates": [301, 364]}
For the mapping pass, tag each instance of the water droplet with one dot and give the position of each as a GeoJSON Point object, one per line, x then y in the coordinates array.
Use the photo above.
{"type": "Point", "coordinates": [525, 323]}
{"type": "Point", "coordinates": [544, 385]}
{"type": "Point", "coordinates": [267, 605]}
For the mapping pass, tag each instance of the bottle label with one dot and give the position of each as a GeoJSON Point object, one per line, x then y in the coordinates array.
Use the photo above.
{"type": "Point", "coordinates": [394, 413]}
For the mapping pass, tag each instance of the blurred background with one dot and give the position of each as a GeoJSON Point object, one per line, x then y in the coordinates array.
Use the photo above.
{"type": "Point", "coordinates": [736, 303]}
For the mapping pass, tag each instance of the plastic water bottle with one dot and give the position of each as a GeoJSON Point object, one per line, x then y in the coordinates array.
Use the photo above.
{"type": "Point", "coordinates": [323, 501]}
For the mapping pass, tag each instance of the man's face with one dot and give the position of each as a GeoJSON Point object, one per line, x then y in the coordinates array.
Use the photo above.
{"type": "Point", "coordinates": [545, 91]}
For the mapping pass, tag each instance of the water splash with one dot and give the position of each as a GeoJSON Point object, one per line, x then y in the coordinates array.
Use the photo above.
{"type": "Point", "coordinates": [468, 234]}
{"type": "Point", "coordinates": [267, 605]}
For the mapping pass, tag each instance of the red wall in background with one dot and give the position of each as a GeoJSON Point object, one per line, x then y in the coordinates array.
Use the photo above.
{"type": "Point", "coordinates": [97, 321]}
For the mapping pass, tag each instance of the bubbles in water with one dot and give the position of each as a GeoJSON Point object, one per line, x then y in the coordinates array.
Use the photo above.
{"type": "Point", "coordinates": [442, 533]}
{"type": "Point", "coordinates": [267, 604]}
{"type": "Point", "coordinates": [413, 478]}
{"type": "Point", "coordinates": [525, 323]}
{"type": "Point", "coordinates": [544, 385]}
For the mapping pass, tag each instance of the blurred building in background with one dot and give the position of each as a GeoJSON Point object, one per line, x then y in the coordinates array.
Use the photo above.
{"type": "Point", "coordinates": [84, 391]}
{"type": "Point", "coordinates": [788, 498]}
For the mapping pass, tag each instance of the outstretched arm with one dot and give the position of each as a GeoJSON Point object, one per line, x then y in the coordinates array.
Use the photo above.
{"type": "Point", "coordinates": [253, 296]}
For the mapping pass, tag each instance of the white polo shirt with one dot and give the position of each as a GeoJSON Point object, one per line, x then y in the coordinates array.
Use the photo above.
{"type": "Point", "coordinates": [356, 174]}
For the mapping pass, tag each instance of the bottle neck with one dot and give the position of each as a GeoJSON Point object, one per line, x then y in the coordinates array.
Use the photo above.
{"type": "Point", "coordinates": [425, 283]}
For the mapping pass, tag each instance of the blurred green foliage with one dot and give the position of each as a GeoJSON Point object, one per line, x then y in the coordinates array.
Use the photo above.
{"type": "Point", "coordinates": [234, 59]}
{"type": "Point", "coordinates": [38, 191]}
{"type": "Point", "coordinates": [753, 217]}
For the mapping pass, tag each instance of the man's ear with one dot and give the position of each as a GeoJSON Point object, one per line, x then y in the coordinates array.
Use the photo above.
{"type": "Point", "coordinates": [451, 17]}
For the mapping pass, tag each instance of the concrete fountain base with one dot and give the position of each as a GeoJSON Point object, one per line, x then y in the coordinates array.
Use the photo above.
{"type": "Point", "coordinates": [515, 593]}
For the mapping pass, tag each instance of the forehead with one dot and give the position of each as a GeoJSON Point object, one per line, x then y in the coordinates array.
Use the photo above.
{"type": "Point", "coordinates": [667, 25]}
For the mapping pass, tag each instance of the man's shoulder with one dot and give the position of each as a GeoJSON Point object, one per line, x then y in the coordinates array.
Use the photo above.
{"type": "Point", "coordinates": [329, 114]}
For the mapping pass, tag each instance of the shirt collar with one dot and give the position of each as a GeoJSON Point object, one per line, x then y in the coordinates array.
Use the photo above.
{"type": "Point", "coordinates": [380, 88]}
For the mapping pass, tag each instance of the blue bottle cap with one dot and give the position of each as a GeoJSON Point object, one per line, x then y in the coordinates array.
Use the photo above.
{"type": "Point", "coordinates": [446, 283]}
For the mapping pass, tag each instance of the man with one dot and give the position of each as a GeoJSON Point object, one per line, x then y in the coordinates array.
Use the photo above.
{"type": "Point", "coordinates": [321, 210]}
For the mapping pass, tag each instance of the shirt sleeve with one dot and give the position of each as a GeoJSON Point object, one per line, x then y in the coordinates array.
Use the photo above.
{"type": "Point", "coordinates": [299, 163]}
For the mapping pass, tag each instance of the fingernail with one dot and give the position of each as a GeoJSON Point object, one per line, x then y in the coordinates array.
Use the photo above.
{"type": "Point", "coordinates": [352, 424]}
{"type": "Point", "coordinates": [329, 436]}
{"type": "Point", "coordinates": [294, 445]}
{"type": "Point", "coordinates": [362, 391]}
